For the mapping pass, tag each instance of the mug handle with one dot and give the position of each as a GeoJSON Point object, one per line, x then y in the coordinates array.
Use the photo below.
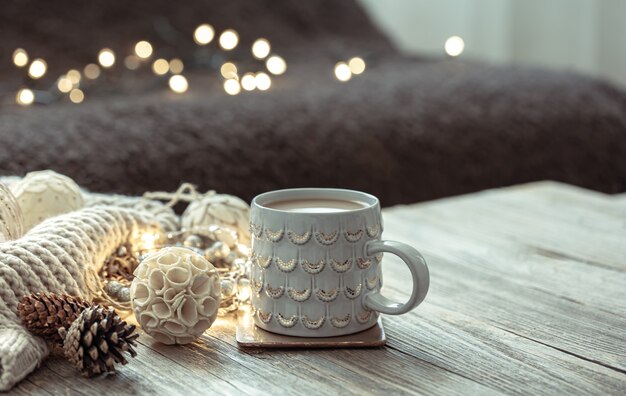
{"type": "Point", "coordinates": [419, 271]}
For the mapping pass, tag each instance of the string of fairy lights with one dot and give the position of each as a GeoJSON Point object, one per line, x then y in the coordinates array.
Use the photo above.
{"type": "Point", "coordinates": [236, 79]}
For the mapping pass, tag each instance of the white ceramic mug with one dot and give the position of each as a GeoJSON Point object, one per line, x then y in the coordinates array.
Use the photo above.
{"type": "Point", "coordinates": [319, 274]}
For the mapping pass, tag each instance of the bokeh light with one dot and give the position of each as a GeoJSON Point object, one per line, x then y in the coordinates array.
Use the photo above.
{"type": "Point", "coordinates": [204, 34]}
{"type": "Point", "coordinates": [261, 48]}
{"type": "Point", "coordinates": [160, 67]}
{"type": "Point", "coordinates": [143, 49]}
{"type": "Point", "coordinates": [454, 46]}
{"type": "Point", "coordinates": [132, 62]}
{"type": "Point", "coordinates": [25, 97]}
{"type": "Point", "coordinates": [176, 66]}
{"type": "Point", "coordinates": [276, 65]}
{"type": "Point", "coordinates": [37, 68]}
{"type": "Point", "coordinates": [248, 82]}
{"type": "Point", "coordinates": [228, 70]}
{"type": "Point", "coordinates": [178, 83]}
{"type": "Point", "coordinates": [74, 77]}
{"type": "Point", "coordinates": [92, 71]}
{"type": "Point", "coordinates": [76, 95]}
{"type": "Point", "coordinates": [342, 71]}
{"type": "Point", "coordinates": [232, 87]}
{"type": "Point", "coordinates": [229, 39]}
{"type": "Point", "coordinates": [64, 84]}
{"type": "Point", "coordinates": [20, 57]}
{"type": "Point", "coordinates": [357, 65]}
{"type": "Point", "coordinates": [106, 57]}
{"type": "Point", "coordinates": [263, 81]}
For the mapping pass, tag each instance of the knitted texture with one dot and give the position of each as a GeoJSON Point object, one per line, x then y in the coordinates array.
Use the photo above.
{"type": "Point", "coordinates": [62, 255]}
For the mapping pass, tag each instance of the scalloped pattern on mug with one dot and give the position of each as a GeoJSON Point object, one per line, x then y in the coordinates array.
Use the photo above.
{"type": "Point", "coordinates": [340, 323]}
{"type": "Point", "coordinates": [257, 287]}
{"type": "Point", "coordinates": [352, 293]}
{"type": "Point", "coordinates": [299, 239]}
{"type": "Point", "coordinates": [341, 267]}
{"type": "Point", "coordinates": [313, 324]}
{"type": "Point", "coordinates": [327, 239]}
{"type": "Point", "coordinates": [285, 266]}
{"type": "Point", "coordinates": [353, 236]}
{"type": "Point", "coordinates": [363, 316]}
{"type": "Point", "coordinates": [256, 230]}
{"type": "Point", "coordinates": [262, 261]}
{"type": "Point", "coordinates": [286, 322]}
{"type": "Point", "coordinates": [373, 231]}
{"type": "Point", "coordinates": [299, 296]}
{"type": "Point", "coordinates": [274, 236]}
{"type": "Point", "coordinates": [264, 317]}
{"type": "Point", "coordinates": [274, 292]}
{"type": "Point", "coordinates": [363, 263]}
{"type": "Point", "coordinates": [372, 283]}
{"type": "Point", "coordinates": [327, 296]}
{"type": "Point", "coordinates": [313, 268]}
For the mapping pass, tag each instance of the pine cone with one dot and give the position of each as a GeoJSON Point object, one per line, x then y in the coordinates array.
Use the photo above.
{"type": "Point", "coordinates": [97, 340]}
{"type": "Point", "coordinates": [43, 314]}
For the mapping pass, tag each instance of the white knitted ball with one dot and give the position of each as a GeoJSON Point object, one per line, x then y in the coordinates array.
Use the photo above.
{"type": "Point", "coordinates": [220, 209]}
{"type": "Point", "coordinates": [45, 194]}
{"type": "Point", "coordinates": [175, 295]}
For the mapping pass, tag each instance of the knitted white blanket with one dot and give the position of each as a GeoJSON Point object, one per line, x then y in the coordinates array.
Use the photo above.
{"type": "Point", "coordinates": [61, 255]}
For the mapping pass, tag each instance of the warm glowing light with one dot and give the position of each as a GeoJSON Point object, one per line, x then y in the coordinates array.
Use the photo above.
{"type": "Point", "coordinates": [356, 65]}
{"type": "Point", "coordinates": [37, 69]}
{"type": "Point", "coordinates": [342, 71]}
{"type": "Point", "coordinates": [143, 49]}
{"type": "Point", "coordinates": [229, 39]}
{"type": "Point", "coordinates": [263, 81]}
{"type": "Point", "coordinates": [65, 84]}
{"type": "Point", "coordinates": [248, 82]}
{"type": "Point", "coordinates": [20, 57]}
{"type": "Point", "coordinates": [76, 95]}
{"type": "Point", "coordinates": [261, 48]}
{"type": "Point", "coordinates": [276, 65]}
{"type": "Point", "coordinates": [131, 62]}
{"type": "Point", "coordinates": [454, 46]}
{"type": "Point", "coordinates": [149, 240]}
{"type": "Point", "coordinates": [178, 84]}
{"type": "Point", "coordinates": [25, 97]}
{"type": "Point", "coordinates": [160, 67]}
{"type": "Point", "coordinates": [73, 76]}
{"type": "Point", "coordinates": [232, 87]}
{"type": "Point", "coordinates": [92, 71]}
{"type": "Point", "coordinates": [204, 34]}
{"type": "Point", "coordinates": [176, 66]}
{"type": "Point", "coordinates": [106, 57]}
{"type": "Point", "coordinates": [228, 70]}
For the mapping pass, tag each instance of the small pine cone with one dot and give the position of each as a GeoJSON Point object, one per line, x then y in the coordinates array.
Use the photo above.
{"type": "Point", "coordinates": [97, 340]}
{"type": "Point", "coordinates": [43, 314]}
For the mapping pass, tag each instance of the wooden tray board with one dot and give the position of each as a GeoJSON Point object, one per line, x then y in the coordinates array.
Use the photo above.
{"type": "Point", "coordinates": [251, 336]}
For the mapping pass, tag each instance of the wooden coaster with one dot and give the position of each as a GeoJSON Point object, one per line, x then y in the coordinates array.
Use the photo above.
{"type": "Point", "coordinates": [250, 336]}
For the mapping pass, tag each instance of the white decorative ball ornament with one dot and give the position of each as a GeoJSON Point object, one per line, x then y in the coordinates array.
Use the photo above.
{"type": "Point", "coordinates": [220, 209]}
{"type": "Point", "coordinates": [175, 295]}
{"type": "Point", "coordinates": [45, 194]}
{"type": "Point", "coordinates": [11, 222]}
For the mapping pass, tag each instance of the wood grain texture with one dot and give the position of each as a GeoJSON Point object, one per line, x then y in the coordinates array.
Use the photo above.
{"type": "Point", "coordinates": [528, 296]}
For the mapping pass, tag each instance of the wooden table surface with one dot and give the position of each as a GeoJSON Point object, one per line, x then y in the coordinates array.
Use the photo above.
{"type": "Point", "coordinates": [528, 296]}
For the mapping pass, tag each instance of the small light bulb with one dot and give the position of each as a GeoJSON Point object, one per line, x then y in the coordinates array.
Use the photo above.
{"type": "Point", "coordinates": [342, 71]}
{"type": "Point", "coordinates": [232, 87]}
{"type": "Point", "coordinates": [106, 57]}
{"type": "Point", "coordinates": [178, 83]}
{"type": "Point", "coordinates": [454, 46]}
{"type": "Point", "coordinates": [228, 70]}
{"type": "Point", "coordinates": [143, 49]}
{"type": "Point", "coordinates": [248, 82]}
{"type": "Point", "coordinates": [25, 97]}
{"type": "Point", "coordinates": [74, 77]}
{"type": "Point", "coordinates": [357, 65]}
{"type": "Point", "coordinates": [20, 57]}
{"type": "Point", "coordinates": [92, 71]}
{"type": "Point", "coordinates": [76, 95]}
{"type": "Point", "coordinates": [261, 48]}
{"type": "Point", "coordinates": [160, 67]}
{"type": "Point", "coordinates": [37, 69]}
{"type": "Point", "coordinates": [276, 65]}
{"type": "Point", "coordinates": [263, 81]}
{"type": "Point", "coordinates": [229, 39]}
{"type": "Point", "coordinates": [65, 84]}
{"type": "Point", "coordinates": [131, 62]}
{"type": "Point", "coordinates": [204, 34]}
{"type": "Point", "coordinates": [176, 66]}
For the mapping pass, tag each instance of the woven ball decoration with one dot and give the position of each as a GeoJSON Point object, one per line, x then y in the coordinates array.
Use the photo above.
{"type": "Point", "coordinates": [175, 295]}
{"type": "Point", "coordinates": [11, 220]}
{"type": "Point", "coordinates": [45, 194]}
{"type": "Point", "coordinates": [220, 209]}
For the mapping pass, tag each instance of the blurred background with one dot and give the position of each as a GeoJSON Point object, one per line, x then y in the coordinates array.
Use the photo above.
{"type": "Point", "coordinates": [408, 100]}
